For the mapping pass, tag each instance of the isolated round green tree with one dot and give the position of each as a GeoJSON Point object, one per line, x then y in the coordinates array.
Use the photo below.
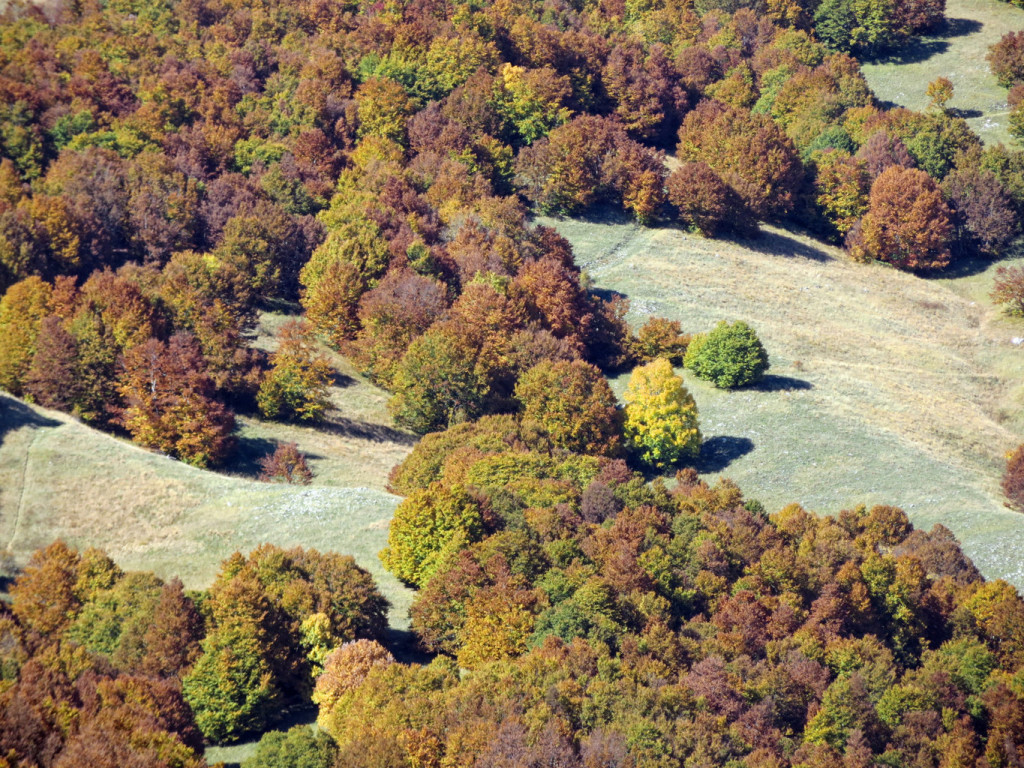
{"type": "Point", "coordinates": [729, 356]}
{"type": "Point", "coordinates": [661, 416]}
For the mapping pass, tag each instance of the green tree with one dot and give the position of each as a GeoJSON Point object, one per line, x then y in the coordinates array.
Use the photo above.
{"type": "Point", "coordinates": [428, 526]}
{"type": "Point", "coordinates": [299, 747]}
{"type": "Point", "coordinates": [232, 689]}
{"type": "Point", "coordinates": [437, 383]}
{"type": "Point", "coordinates": [296, 386]}
{"type": "Point", "coordinates": [729, 356]}
{"type": "Point", "coordinates": [661, 416]}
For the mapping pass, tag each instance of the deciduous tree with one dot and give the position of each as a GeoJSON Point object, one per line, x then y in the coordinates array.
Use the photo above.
{"type": "Point", "coordinates": [661, 416]}
{"type": "Point", "coordinates": [574, 404]}
{"type": "Point", "coordinates": [908, 223]}
{"type": "Point", "coordinates": [297, 384]}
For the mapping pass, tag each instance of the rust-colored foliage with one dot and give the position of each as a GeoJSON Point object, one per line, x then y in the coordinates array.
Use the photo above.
{"type": "Point", "coordinates": [171, 404]}
{"type": "Point", "coordinates": [749, 151]}
{"type": "Point", "coordinates": [1013, 478]}
{"type": "Point", "coordinates": [705, 201]}
{"type": "Point", "coordinates": [285, 465]}
{"type": "Point", "coordinates": [908, 223]}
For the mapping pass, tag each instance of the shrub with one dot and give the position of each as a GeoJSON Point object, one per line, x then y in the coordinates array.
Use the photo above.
{"type": "Point", "coordinates": [1013, 478]}
{"type": "Point", "coordinates": [1008, 290]}
{"type": "Point", "coordinates": [729, 356]}
{"type": "Point", "coordinates": [1006, 59]}
{"type": "Point", "coordinates": [661, 417]}
{"type": "Point", "coordinates": [659, 337]}
{"type": "Point", "coordinates": [299, 747]}
{"type": "Point", "coordinates": [285, 465]}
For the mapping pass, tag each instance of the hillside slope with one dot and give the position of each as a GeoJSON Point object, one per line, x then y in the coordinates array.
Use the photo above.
{"type": "Point", "coordinates": [60, 478]}
{"type": "Point", "coordinates": [958, 53]}
{"type": "Point", "coordinates": [884, 388]}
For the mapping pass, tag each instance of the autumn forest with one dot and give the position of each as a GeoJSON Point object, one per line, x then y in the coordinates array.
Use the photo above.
{"type": "Point", "coordinates": [172, 170]}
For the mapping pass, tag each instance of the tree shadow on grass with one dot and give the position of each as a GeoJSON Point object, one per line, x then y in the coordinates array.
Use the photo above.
{"type": "Point", "coordinates": [782, 244]}
{"type": "Point", "coordinates": [406, 648]}
{"type": "Point", "coordinates": [607, 294]}
{"type": "Point", "coordinates": [914, 51]}
{"type": "Point", "coordinates": [717, 453]}
{"type": "Point", "coordinates": [340, 380]}
{"type": "Point", "coordinates": [966, 114]}
{"type": "Point", "coordinates": [773, 383]}
{"type": "Point", "coordinates": [604, 214]}
{"type": "Point", "coordinates": [378, 433]}
{"type": "Point", "coordinates": [249, 452]}
{"type": "Point", "coordinates": [15, 414]}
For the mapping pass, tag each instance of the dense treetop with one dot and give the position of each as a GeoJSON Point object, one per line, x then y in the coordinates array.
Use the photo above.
{"type": "Point", "coordinates": [169, 168]}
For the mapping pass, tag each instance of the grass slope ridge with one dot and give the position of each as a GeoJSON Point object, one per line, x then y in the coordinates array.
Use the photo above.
{"type": "Point", "coordinates": [884, 388]}
{"type": "Point", "coordinates": [957, 52]}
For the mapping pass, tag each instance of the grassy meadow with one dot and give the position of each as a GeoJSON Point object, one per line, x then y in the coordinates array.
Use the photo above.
{"type": "Point", "coordinates": [957, 52]}
{"type": "Point", "coordinates": [59, 478]}
{"type": "Point", "coordinates": [884, 387]}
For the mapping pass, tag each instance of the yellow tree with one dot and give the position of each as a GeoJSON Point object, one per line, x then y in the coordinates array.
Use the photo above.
{"type": "Point", "coordinates": [661, 416]}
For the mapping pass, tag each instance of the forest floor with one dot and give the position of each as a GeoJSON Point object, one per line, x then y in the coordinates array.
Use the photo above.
{"type": "Point", "coordinates": [957, 51]}
{"type": "Point", "coordinates": [59, 478]}
{"type": "Point", "coordinates": [884, 387]}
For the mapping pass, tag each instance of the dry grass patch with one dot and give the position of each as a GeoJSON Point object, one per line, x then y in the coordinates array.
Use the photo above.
{"type": "Point", "coordinates": [884, 387]}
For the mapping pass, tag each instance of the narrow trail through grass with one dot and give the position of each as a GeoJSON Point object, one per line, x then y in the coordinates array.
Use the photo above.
{"type": "Point", "coordinates": [884, 388]}
{"type": "Point", "coordinates": [956, 52]}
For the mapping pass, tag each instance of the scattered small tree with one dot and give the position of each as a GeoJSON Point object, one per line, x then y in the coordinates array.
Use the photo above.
{"type": "Point", "coordinates": [661, 416]}
{"type": "Point", "coordinates": [729, 356]}
{"type": "Point", "coordinates": [659, 337]}
{"type": "Point", "coordinates": [940, 91]}
{"type": "Point", "coordinates": [296, 386]}
{"type": "Point", "coordinates": [1006, 59]}
{"type": "Point", "coordinates": [1008, 290]}
{"type": "Point", "coordinates": [1013, 478]}
{"type": "Point", "coordinates": [285, 465]}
